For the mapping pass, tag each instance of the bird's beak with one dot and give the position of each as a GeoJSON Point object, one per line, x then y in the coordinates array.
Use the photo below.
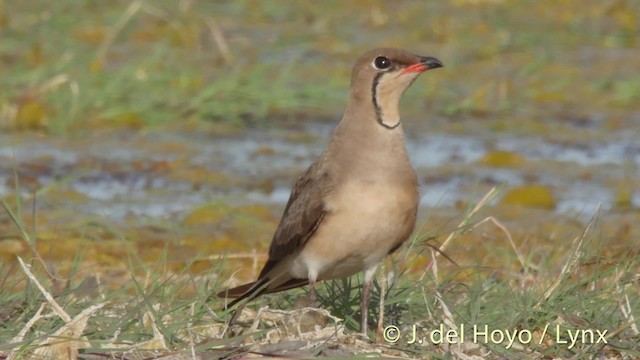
{"type": "Point", "coordinates": [425, 63]}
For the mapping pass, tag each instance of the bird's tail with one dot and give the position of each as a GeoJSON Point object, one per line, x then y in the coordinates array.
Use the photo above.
{"type": "Point", "coordinates": [244, 291]}
{"type": "Point", "coordinates": [237, 291]}
{"type": "Point", "coordinates": [257, 288]}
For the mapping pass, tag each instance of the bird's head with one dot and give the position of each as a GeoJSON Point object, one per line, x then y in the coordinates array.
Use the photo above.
{"type": "Point", "coordinates": [382, 75]}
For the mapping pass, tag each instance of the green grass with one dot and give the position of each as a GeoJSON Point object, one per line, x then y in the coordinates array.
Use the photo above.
{"type": "Point", "coordinates": [144, 63]}
{"type": "Point", "coordinates": [573, 288]}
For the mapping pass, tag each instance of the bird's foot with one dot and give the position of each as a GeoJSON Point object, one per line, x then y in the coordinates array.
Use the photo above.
{"type": "Point", "coordinates": [304, 302]}
{"type": "Point", "coordinates": [362, 336]}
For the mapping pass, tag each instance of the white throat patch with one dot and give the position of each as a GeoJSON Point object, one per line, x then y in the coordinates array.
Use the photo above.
{"type": "Point", "coordinates": [387, 91]}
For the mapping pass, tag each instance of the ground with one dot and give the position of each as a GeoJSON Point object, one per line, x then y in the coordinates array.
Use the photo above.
{"type": "Point", "coordinates": [147, 150]}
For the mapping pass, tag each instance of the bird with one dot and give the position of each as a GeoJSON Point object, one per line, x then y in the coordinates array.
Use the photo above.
{"type": "Point", "coordinates": [358, 201]}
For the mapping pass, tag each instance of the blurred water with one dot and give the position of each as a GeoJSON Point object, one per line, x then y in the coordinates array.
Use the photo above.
{"type": "Point", "coordinates": [447, 166]}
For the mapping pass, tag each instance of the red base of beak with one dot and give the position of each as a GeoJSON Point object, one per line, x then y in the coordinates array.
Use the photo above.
{"type": "Point", "coordinates": [416, 68]}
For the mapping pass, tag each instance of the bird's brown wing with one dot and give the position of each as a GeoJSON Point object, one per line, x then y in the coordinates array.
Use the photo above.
{"type": "Point", "coordinates": [302, 215]}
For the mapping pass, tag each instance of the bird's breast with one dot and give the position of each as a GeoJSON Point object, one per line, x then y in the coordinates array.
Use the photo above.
{"type": "Point", "coordinates": [364, 221]}
{"type": "Point", "coordinates": [373, 200]}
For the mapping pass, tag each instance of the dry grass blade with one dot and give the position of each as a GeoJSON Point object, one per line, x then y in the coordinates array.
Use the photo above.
{"type": "Point", "coordinates": [252, 255]}
{"type": "Point", "coordinates": [158, 341]}
{"type": "Point", "coordinates": [133, 8]}
{"type": "Point", "coordinates": [66, 341]}
{"type": "Point", "coordinates": [54, 305]}
{"type": "Point", "coordinates": [449, 321]}
{"type": "Point", "coordinates": [482, 203]}
{"type": "Point", "coordinates": [53, 83]}
{"type": "Point", "coordinates": [572, 260]}
{"type": "Point", "coordinates": [503, 228]}
{"type": "Point", "coordinates": [18, 338]}
{"type": "Point", "coordinates": [625, 306]}
{"type": "Point", "coordinates": [220, 41]}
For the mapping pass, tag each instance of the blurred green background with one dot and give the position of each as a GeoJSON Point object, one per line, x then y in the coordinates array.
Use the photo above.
{"type": "Point", "coordinates": [69, 66]}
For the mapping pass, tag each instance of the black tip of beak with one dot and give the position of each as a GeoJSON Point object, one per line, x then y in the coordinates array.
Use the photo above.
{"type": "Point", "coordinates": [431, 62]}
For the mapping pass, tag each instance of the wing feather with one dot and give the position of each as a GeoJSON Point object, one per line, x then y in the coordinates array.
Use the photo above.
{"type": "Point", "coordinates": [302, 215]}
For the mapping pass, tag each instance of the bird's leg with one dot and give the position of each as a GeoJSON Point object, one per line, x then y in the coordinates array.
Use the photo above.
{"type": "Point", "coordinates": [364, 301]}
{"type": "Point", "coordinates": [364, 307]}
{"type": "Point", "coordinates": [310, 299]}
{"type": "Point", "coordinates": [236, 315]}
{"type": "Point", "coordinates": [312, 292]}
{"type": "Point", "coordinates": [233, 321]}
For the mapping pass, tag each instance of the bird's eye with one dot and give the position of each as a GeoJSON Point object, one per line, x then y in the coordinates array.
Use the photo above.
{"type": "Point", "coordinates": [382, 63]}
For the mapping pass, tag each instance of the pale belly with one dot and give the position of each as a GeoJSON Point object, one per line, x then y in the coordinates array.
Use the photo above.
{"type": "Point", "coordinates": [365, 221]}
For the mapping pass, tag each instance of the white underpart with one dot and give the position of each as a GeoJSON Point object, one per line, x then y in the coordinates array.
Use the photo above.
{"type": "Point", "coordinates": [368, 273]}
